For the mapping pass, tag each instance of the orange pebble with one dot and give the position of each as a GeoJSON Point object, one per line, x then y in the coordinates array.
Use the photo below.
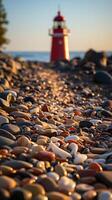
{"type": "Point", "coordinates": [95, 166]}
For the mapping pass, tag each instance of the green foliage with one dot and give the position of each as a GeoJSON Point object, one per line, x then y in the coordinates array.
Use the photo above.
{"type": "Point", "coordinates": [3, 25]}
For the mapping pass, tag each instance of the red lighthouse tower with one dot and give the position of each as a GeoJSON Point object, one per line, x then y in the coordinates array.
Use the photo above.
{"type": "Point", "coordinates": [59, 34]}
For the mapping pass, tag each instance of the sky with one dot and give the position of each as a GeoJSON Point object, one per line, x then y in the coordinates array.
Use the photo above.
{"type": "Point", "coordinates": [90, 23]}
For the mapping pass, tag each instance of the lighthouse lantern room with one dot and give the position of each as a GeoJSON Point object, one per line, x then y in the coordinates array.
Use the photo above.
{"type": "Point", "coordinates": [59, 34]}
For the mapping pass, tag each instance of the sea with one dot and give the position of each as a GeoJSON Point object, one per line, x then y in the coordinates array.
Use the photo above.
{"type": "Point", "coordinates": [44, 56]}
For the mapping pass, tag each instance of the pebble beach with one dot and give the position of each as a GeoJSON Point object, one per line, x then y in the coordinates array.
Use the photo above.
{"type": "Point", "coordinates": [56, 128]}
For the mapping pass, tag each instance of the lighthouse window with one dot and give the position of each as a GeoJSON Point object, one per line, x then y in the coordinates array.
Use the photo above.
{"type": "Point", "coordinates": [59, 25]}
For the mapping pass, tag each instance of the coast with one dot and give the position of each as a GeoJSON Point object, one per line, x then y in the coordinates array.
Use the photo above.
{"type": "Point", "coordinates": [56, 128]}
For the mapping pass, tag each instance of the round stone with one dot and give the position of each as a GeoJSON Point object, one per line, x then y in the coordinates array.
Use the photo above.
{"type": "Point", "coordinates": [35, 189]}
{"type": "Point", "coordinates": [45, 156]}
{"type": "Point", "coordinates": [48, 183]}
{"type": "Point", "coordinates": [57, 196]}
{"type": "Point", "coordinates": [53, 175]}
{"type": "Point", "coordinates": [4, 194]}
{"type": "Point", "coordinates": [76, 196]}
{"type": "Point", "coordinates": [21, 194]}
{"type": "Point", "coordinates": [80, 158]}
{"type": "Point", "coordinates": [18, 164]}
{"type": "Point", "coordinates": [6, 170]}
{"type": "Point", "coordinates": [89, 195]}
{"type": "Point", "coordinates": [59, 169]}
{"type": "Point", "coordinates": [66, 184]}
{"type": "Point", "coordinates": [85, 123]}
{"type": "Point", "coordinates": [105, 195]}
{"type": "Point", "coordinates": [7, 182]}
{"type": "Point", "coordinates": [95, 166]}
{"type": "Point", "coordinates": [3, 120]}
{"type": "Point", "coordinates": [12, 128]}
{"type": "Point", "coordinates": [81, 188]}
{"type": "Point", "coordinates": [24, 141]}
{"type": "Point", "coordinates": [6, 141]}
{"type": "Point", "coordinates": [7, 134]}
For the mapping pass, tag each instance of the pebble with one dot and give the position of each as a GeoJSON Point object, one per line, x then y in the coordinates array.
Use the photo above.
{"type": "Point", "coordinates": [76, 196]}
{"type": "Point", "coordinates": [87, 124]}
{"type": "Point", "coordinates": [103, 77]}
{"type": "Point", "coordinates": [105, 195]}
{"type": "Point", "coordinates": [48, 183]}
{"type": "Point", "coordinates": [24, 141]}
{"type": "Point", "coordinates": [80, 158]}
{"type": "Point", "coordinates": [6, 141]}
{"type": "Point", "coordinates": [71, 137]}
{"type": "Point", "coordinates": [59, 169]}
{"type": "Point", "coordinates": [89, 195]}
{"type": "Point", "coordinates": [35, 189]}
{"type": "Point", "coordinates": [81, 188]}
{"type": "Point", "coordinates": [12, 128]}
{"type": "Point", "coordinates": [7, 134]}
{"type": "Point", "coordinates": [16, 164]}
{"type": "Point", "coordinates": [53, 175]}
{"type": "Point", "coordinates": [7, 182]}
{"type": "Point", "coordinates": [3, 120]}
{"type": "Point", "coordinates": [45, 156]}
{"type": "Point", "coordinates": [66, 184]}
{"type": "Point", "coordinates": [105, 177]}
{"type": "Point", "coordinates": [57, 196]}
{"type": "Point", "coordinates": [4, 194]}
{"type": "Point", "coordinates": [21, 194]}
{"type": "Point", "coordinates": [95, 166]}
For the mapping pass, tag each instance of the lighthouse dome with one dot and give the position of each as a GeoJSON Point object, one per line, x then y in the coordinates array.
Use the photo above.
{"type": "Point", "coordinates": [59, 17]}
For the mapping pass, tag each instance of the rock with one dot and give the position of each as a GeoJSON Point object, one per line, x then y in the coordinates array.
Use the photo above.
{"type": "Point", "coordinates": [81, 188]}
{"type": "Point", "coordinates": [45, 156]}
{"type": "Point", "coordinates": [16, 164]}
{"type": "Point", "coordinates": [105, 177]}
{"type": "Point", "coordinates": [4, 194]}
{"type": "Point", "coordinates": [14, 129]}
{"type": "Point", "coordinates": [76, 196]}
{"type": "Point", "coordinates": [48, 183]}
{"type": "Point", "coordinates": [29, 99]}
{"type": "Point", "coordinates": [4, 83]}
{"type": "Point", "coordinates": [6, 170]}
{"type": "Point", "coordinates": [24, 141]}
{"type": "Point", "coordinates": [66, 184]}
{"type": "Point", "coordinates": [80, 158]}
{"type": "Point", "coordinates": [57, 196]}
{"type": "Point", "coordinates": [95, 166]}
{"type": "Point", "coordinates": [53, 175]}
{"type": "Point", "coordinates": [89, 195]}
{"type": "Point", "coordinates": [103, 77]}
{"type": "Point", "coordinates": [87, 124]}
{"type": "Point", "coordinates": [107, 104]}
{"type": "Point", "coordinates": [99, 58]}
{"type": "Point", "coordinates": [7, 182]}
{"type": "Point", "coordinates": [72, 137]}
{"type": "Point", "coordinates": [7, 134]}
{"type": "Point", "coordinates": [20, 193]}
{"type": "Point", "coordinates": [35, 189]}
{"type": "Point", "coordinates": [6, 141]}
{"type": "Point", "coordinates": [21, 114]}
{"type": "Point", "coordinates": [3, 120]}
{"type": "Point", "coordinates": [4, 104]}
{"type": "Point", "coordinates": [59, 169]}
{"type": "Point", "coordinates": [58, 151]}
{"type": "Point", "coordinates": [105, 195]}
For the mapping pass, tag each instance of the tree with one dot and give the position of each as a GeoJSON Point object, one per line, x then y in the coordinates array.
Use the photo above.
{"type": "Point", "coordinates": [3, 24]}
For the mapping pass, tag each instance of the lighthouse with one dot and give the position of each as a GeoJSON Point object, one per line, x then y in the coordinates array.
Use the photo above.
{"type": "Point", "coordinates": [59, 34]}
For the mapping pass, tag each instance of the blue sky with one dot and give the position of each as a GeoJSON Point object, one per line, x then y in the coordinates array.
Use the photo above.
{"type": "Point", "coordinates": [90, 22]}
